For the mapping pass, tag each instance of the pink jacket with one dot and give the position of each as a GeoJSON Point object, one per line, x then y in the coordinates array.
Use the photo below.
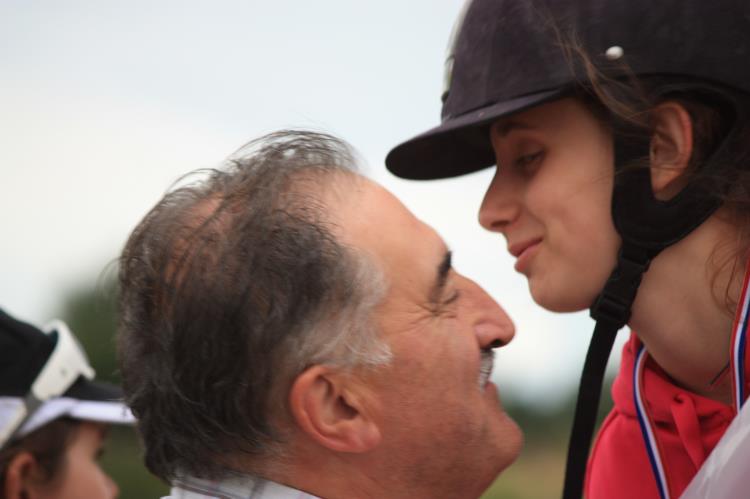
{"type": "Point", "coordinates": [687, 427]}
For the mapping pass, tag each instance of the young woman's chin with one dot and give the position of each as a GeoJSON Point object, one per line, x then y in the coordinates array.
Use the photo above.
{"type": "Point", "coordinates": [560, 298]}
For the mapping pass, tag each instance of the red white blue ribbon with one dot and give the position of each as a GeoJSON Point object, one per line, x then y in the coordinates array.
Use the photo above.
{"type": "Point", "coordinates": [739, 395]}
{"type": "Point", "coordinates": [739, 335]}
{"type": "Point", "coordinates": [647, 426]}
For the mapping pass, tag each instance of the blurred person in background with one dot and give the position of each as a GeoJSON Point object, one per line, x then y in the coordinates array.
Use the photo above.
{"type": "Point", "coordinates": [53, 416]}
{"type": "Point", "coordinates": [620, 132]}
{"type": "Point", "coordinates": [289, 329]}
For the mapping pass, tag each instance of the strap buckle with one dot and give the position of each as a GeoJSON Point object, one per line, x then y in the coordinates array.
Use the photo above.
{"type": "Point", "coordinates": [614, 303]}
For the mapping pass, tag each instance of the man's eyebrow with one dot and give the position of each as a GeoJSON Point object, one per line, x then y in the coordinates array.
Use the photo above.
{"type": "Point", "coordinates": [503, 128]}
{"type": "Point", "coordinates": [441, 277]}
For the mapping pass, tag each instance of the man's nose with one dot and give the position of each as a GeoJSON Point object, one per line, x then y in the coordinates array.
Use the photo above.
{"type": "Point", "coordinates": [492, 325]}
{"type": "Point", "coordinates": [500, 206]}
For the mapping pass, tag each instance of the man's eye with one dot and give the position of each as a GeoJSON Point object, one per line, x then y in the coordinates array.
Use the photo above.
{"type": "Point", "coordinates": [452, 298]}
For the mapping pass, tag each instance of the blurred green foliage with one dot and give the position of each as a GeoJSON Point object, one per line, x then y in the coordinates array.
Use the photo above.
{"type": "Point", "coordinates": [538, 472]}
{"type": "Point", "coordinates": [90, 314]}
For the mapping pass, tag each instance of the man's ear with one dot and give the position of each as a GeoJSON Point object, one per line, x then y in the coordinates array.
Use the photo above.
{"type": "Point", "coordinates": [671, 149]}
{"type": "Point", "coordinates": [21, 477]}
{"type": "Point", "coordinates": [331, 408]}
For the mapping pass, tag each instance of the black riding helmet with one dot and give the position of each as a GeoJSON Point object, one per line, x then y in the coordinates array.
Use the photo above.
{"type": "Point", "coordinates": [506, 56]}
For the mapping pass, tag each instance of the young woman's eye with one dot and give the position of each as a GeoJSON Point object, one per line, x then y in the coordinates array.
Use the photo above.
{"type": "Point", "coordinates": [529, 160]}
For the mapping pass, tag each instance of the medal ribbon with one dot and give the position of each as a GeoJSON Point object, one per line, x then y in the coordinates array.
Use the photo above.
{"type": "Point", "coordinates": [739, 395]}
{"type": "Point", "coordinates": [739, 334]}
{"type": "Point", "coordinates": [647, 426]}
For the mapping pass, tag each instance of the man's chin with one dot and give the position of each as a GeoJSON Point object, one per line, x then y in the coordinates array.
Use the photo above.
{"type": "Point", "coordinates": [492, 395]}
{"type": "Point", "coordinates": [508, 447]}
{"type": "Point", "coordinates": [507, 435]}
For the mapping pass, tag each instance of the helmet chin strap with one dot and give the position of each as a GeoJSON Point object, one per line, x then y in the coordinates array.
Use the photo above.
{"type": "Point", "coordinates": [611, 311]}
{"type": "Point", "coordinates": [646, 226]}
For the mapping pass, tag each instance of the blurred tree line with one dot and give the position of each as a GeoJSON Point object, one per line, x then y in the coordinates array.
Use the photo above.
{"type": "Point", "coordinates": [538, 472]}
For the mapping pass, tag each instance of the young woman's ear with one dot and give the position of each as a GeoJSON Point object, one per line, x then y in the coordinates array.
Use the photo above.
{"type": "Point", "coordinates": [331, 408]}
{"type": "Point", "coordinates": [671, 149]}
{"type": "Point", "coordinates": [22, 477]}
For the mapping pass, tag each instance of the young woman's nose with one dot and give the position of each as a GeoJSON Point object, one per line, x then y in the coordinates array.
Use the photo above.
{"type": "Point", "coordinates": [500, 206]}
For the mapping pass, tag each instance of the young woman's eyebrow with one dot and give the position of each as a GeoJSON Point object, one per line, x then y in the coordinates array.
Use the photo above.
{"type": "Point", "coordinates": [503, 128]}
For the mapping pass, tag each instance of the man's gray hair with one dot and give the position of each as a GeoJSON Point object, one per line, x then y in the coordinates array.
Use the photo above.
{"type": "Point", "coordinates": [230, 287]}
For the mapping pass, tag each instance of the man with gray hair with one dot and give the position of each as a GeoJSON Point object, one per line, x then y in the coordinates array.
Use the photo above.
{"type": "Point", "coordinates": [289, 329]}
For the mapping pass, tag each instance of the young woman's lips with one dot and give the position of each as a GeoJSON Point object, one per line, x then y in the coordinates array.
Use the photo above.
{"type": "Point", "coordinates": [524, 252]}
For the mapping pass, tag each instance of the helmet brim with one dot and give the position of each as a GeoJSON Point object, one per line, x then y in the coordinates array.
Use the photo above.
{"type": "Point", "coordinates": [459, 145]}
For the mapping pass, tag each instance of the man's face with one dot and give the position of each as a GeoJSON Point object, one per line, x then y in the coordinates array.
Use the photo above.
{"type": "Point", "coordinates": [441, 419]}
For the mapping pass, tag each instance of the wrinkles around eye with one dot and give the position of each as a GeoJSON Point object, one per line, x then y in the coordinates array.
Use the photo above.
{"type": "Point", "coordinates": [453, 297]}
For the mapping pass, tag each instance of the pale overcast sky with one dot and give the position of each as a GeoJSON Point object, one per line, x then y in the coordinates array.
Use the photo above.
{"type": "Point", "coordinates": [103, 104]}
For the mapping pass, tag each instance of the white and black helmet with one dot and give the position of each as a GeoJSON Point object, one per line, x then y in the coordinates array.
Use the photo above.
{"type": "Point", "coordinates": [46, 375]}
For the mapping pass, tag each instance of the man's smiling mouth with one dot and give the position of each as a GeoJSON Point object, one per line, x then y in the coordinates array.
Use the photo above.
{"type": "Point", "coordinates": [485, 367]}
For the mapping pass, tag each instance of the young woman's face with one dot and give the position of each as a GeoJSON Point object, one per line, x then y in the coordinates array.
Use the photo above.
{"type": "Point", "coordinates": [80, 474]}
{"type": "Point", "coordinates": [550, 198]}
